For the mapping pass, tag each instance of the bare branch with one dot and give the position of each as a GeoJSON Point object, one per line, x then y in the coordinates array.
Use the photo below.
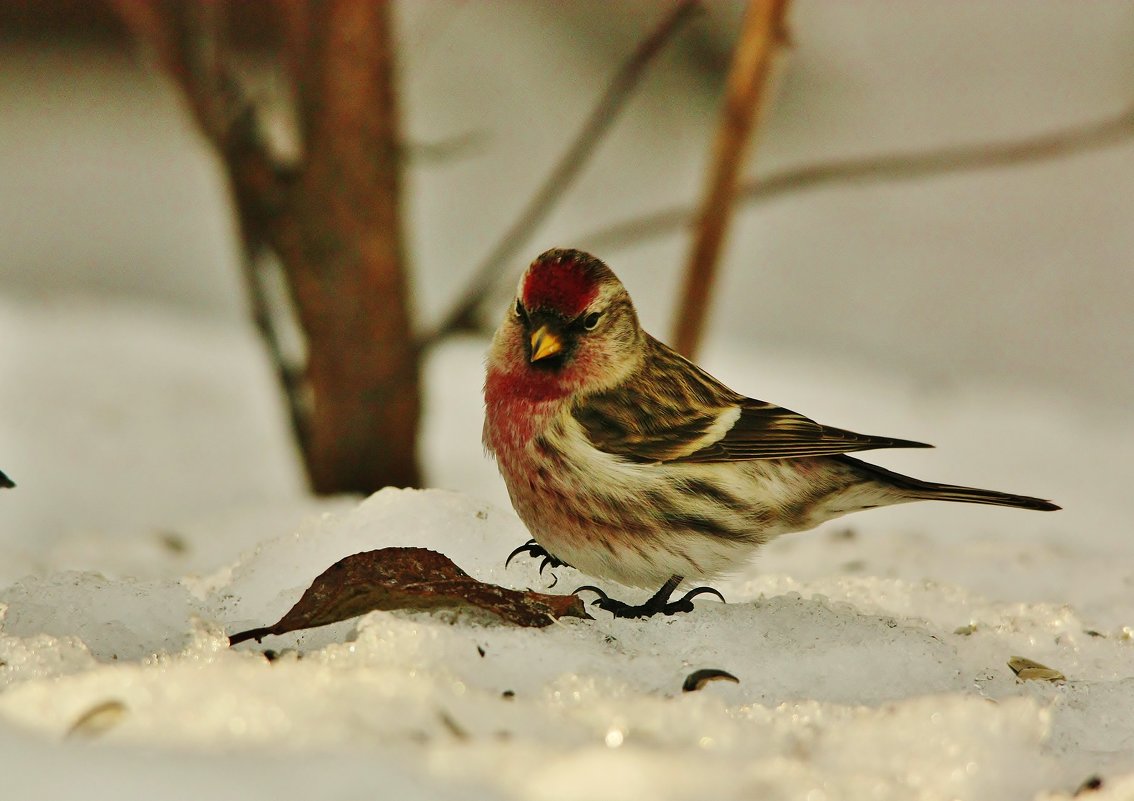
{"type": "Point", "coordinates": [187, 42]}
{"type": "Point", "coordinates": [448, 149]}
{"type": "Point", "coordinates": [744, 96]}
{"type": "Point", "coordinates": [878, 169]}
{"type": "Point", "coordinates": [181, 39]}
{"type": "Point", "coordinates": [333, 221]}
{"type": "Point", "coordinates": [562, 176]}
{"type": "Point", "coordinates": [155, 31]}
{"type": "Point", "coordinates": [296, 27]}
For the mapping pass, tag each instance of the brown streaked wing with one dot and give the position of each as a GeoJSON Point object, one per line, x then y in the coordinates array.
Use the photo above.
{"type": "Point", "coordinates": [764, 431]}
{"type": "Point", "coordinates": [640, 430]}
{"type": "Point", "coordinates": [662, 422]}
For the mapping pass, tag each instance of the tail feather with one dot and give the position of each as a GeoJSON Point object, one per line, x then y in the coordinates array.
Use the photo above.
{"type": "Point", "coordinates": [951, 492]}
{"type": "Point", "coordinates": [932, 491]}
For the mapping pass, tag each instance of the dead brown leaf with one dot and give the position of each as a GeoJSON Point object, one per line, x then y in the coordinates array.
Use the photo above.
{"type": "Point", "coordinates": [410, 578]}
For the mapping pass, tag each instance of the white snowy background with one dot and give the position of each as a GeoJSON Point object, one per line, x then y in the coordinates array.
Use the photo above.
{"type": "Point", "coordinates": [161, 504]}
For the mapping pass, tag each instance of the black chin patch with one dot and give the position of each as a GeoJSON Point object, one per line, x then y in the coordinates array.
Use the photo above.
{"type": "Point", "coordinates": [550, 364]}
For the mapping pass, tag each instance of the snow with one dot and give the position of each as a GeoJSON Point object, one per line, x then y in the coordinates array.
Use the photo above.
{"type": "Point", "coordinates": [856, 685]}
{"type": "Point", "coordinates": [161, 505]}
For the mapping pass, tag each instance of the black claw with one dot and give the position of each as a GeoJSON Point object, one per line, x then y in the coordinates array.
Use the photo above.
{"type": "Point", "coordinates": [549, 561]}
{"type": "Point", "coordinates": [658, 604]}
{"type": "Point", "coordinates": [685, 602]}
{"type": "Point", "coordinates": [531, 547]}
{"type": "Point", "coordinates": [689, 596]}
{"type": "Point", "coordinates": [536, 551]}
{"type": "Point", "coordinates": [602, 596]}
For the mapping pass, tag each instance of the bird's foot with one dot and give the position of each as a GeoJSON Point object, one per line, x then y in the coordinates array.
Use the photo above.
{"type": "Point", "coordinates": [537, 551]}
{"type": "Point", "coordinates": [658, 603]}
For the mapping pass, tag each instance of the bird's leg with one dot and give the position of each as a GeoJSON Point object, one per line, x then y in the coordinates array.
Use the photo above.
{"type": "Point", "coordinates": [658, 603]}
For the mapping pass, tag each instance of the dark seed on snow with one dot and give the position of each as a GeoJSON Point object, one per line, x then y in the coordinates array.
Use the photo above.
{"type": "Point", "coordinates": [699, 678]}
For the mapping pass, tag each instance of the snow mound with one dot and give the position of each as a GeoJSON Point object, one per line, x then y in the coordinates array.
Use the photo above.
{"type": "Point", "coordinates": [266, 582]}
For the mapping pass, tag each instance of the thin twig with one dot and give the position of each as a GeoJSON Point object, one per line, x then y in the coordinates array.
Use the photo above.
{"type": "Point", "coordinates": [745, 94]}
{"type": "Point", "coordinates": [462, 316]}
{"type": "Point", "coordinates": [877, 169]}
{"type": "Point", "coordinates": [298, 20]}
{"type": "Point", "coordinates": [155, 32]}
{"type": "Point", "coordinates": [451, 148]}
{"type": "Point", "coordinates": [187, 41]}
{"type": "Point", "coordinates": [201, 29]}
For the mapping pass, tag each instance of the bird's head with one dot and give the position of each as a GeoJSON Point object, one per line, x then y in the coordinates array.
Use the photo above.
{"type": "Point", "coordinates": [571, 325]}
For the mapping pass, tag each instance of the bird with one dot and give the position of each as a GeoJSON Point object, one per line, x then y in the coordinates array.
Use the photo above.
{"type": "Point", "coordinates": [630, 463]}
{"type": "Point", "coordinates": [5, 482]}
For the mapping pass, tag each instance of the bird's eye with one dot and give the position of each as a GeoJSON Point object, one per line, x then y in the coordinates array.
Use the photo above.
{"type": "Point", "coordinates": [520, 309]}
{"type": "Point", "coordinates": [591, 320]}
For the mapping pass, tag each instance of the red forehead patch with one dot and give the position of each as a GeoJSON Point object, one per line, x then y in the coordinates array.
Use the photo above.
{"type": "Point", "coordinates": [565, 281]}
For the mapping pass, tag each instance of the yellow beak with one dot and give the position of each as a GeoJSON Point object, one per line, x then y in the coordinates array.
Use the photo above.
{"type": "Point", "coordinates": [545, 343]}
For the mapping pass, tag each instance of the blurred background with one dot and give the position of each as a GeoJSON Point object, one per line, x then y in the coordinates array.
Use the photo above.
{"type": "Point", "coordinates": [982, 307]}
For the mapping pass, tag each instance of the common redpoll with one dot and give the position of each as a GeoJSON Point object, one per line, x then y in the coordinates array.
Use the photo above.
{"type": "Point", "coordinates": [630, 463]}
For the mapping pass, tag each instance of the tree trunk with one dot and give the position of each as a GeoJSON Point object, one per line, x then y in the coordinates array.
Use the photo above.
{"type": "Point", "coordinates": [341, 244]}
{"type": "Point", "coordinates": [333, 220]}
